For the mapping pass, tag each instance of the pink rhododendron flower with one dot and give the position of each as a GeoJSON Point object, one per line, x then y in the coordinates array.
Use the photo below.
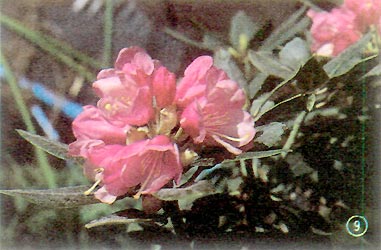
{"type": "Point", "coordinates": [126, 91]}
{"type": "Point", "coordinates": [148, 163]}
{"type": "Point", "coordinates": [367, 12]}
{"type": "Point", "coordinates": [126, 139]}
{"type": "Point", "coordinates": [213, 112]}
{"type": "Point", "coordinates": [334, 31]}
{"type": "Point", "coordinates": [91, 128]}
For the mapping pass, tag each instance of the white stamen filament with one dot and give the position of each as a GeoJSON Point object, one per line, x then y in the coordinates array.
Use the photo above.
{"type": "Point", "coordinates": [144, 184]}
{"type": "Point", "coordinates": [87, 192]}
{"type": "Point", "coordinates": [233, 138]}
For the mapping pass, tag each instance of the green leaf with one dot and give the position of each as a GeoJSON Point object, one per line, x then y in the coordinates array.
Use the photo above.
{"type": "Point", "coordinates": [295, 53]}
{"type": "Point", "coordinates": [204, 162]}
{"type": "Point", "coordinates": [259, 154]}
{"type": "Point", "coordinates": [256, 84]}
{"type": "Point", "coordinates": [186, 196]}
{"type": "Point", "coordinates": [311, 102]}
{"type": "Point", "coordinates": [294, 132]}
{"type": "Point", "coordinates": [186, 177]}
{"type": "Point", "coordinates": [58, 198]}
{"type": "Point", "coordinates": [211, 41]}
{"type": "Point", "coordinates": [241, 24]}
{"type": "Point", "coordinates": [55, 148]}
{"type": "Point", "coordinates": [221, 166]}
{"type": "Point", "coordinates": [223, 60]}
{"type": "Point", "coordinates": [272, 133]}
{"type": "Point", "coordinates": [287, 30]}
{"type": "Point", "coordinates": [265, 62]}
{"type": "Point", "coordinates": [95, 211]}
{"type": "Point", "coordinates": [197, 190]}
{"type": "Point", "coordinates": [261, 103]}
{"type": "Point", "coordinates": [349, 58]}
{"type": "Point", "coordinates": [115, 220]}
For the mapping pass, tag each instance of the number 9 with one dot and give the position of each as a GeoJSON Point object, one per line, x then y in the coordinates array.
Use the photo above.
{"type": "Point", "coordinates": [357, 225]}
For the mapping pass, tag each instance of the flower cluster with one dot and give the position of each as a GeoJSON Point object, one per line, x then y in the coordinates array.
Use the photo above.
{"type": "Point", "coordinates": [334, 31]}
{"type": "Point", "coordinates": [146, 128]}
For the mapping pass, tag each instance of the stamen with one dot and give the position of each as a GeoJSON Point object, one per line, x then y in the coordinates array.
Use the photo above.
{"type": "Point", "coordinates": [144, 184]}
{"type": "Point", "coordinates": [178, 133]}
{"type": "Point", "coordinates": [98, 171]}
{"type": "Point", "coordinates": [87, 192]}
{"type": "Point", "coordinates": [233, 138]}
{"type": "Point", "coordinates": [108, 107]}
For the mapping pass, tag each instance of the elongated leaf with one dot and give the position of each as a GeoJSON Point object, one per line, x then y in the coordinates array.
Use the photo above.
{"type": "Point", "coordinates": [197, 190]}
{"type": "Point", "coordinates": [115, 220]}
{"type": "Point", "coordinates": [294, 132]}
{"type": "Point", "coordinates": [348, 59]}
{"type": "Point", "coordinates": [261, 103]}
{"type": "Point", "coordinates": [272, 133]}
{"type": "Point", "coordinates": [211, 41]}
{"type": "Point", "coordinates": [55, 148]}
{"type": "Point", "coordinates": [204, 162]}
{"type": "Point", "coordinates": [256, 84]}
{"type": "Point", "coordinates": [295, 53]}
{"type": "Point", "coordinates": [206, 172]}
{"type": "Point", "coordinates": [58, 198]}
{"type": "Point", "coordinates": [268, 64]}
{"type": "Point", "coordinates": [186, 177]}
{"type": "Point", "coordinates": [287, 29]}
{"type": "Point", "coordinates": [260, 154]}
{"type": "Point", "coordinates": [311, 102]}
{"type": "Point", "coordinates": [241, 24]}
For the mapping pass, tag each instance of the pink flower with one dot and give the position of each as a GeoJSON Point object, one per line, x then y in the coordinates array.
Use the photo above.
{"type": "Point", "coordinates": [148, 163]}
{"type": "Point", "coordinates": [126, 91]}
{"type": "Point", "coordinates": [367, 12]}
{"type": "Point", "coordinates": [334, 31]}
{"type": "Point", "coordinates": [213, 106]}
{"type": "Point", "coordinates": [91, 128]}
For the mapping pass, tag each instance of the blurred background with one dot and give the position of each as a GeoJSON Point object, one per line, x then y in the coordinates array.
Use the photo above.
{"type": "Point", "coordinates": [52, 51]}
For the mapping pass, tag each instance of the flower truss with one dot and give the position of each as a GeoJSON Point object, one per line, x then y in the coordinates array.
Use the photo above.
{"type": "Point", "coordinates": [334, 31]}
{"type": "Point", "coordinates": [146, 128]}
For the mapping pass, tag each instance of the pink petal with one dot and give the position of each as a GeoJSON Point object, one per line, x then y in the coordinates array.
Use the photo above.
{"type": "Point", "coordinates": [105, 73]}
{"type": "Point", "coordinates": [109, 86]}
{"type": "Point", "coordinates": [193, 84]}
{"type": "Point", "coordinates": [143, 62]}
{"type": "Point", "coordinates": [104, 196]}
{"type": "Point", "coordinates": [150, 163]}
{"type": "Point", "coordinates": [92, 124]}
{"type": "Point", "coordinates": [192, 121]}
{"type": "Point", "coordinates": [126, 56]}
{"type": "Point", "coordinates": [81, 147]}
{"type": "Point", "coordinates": [199, 66]}
{"type": "Point", "coordinates": [164, 87]}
